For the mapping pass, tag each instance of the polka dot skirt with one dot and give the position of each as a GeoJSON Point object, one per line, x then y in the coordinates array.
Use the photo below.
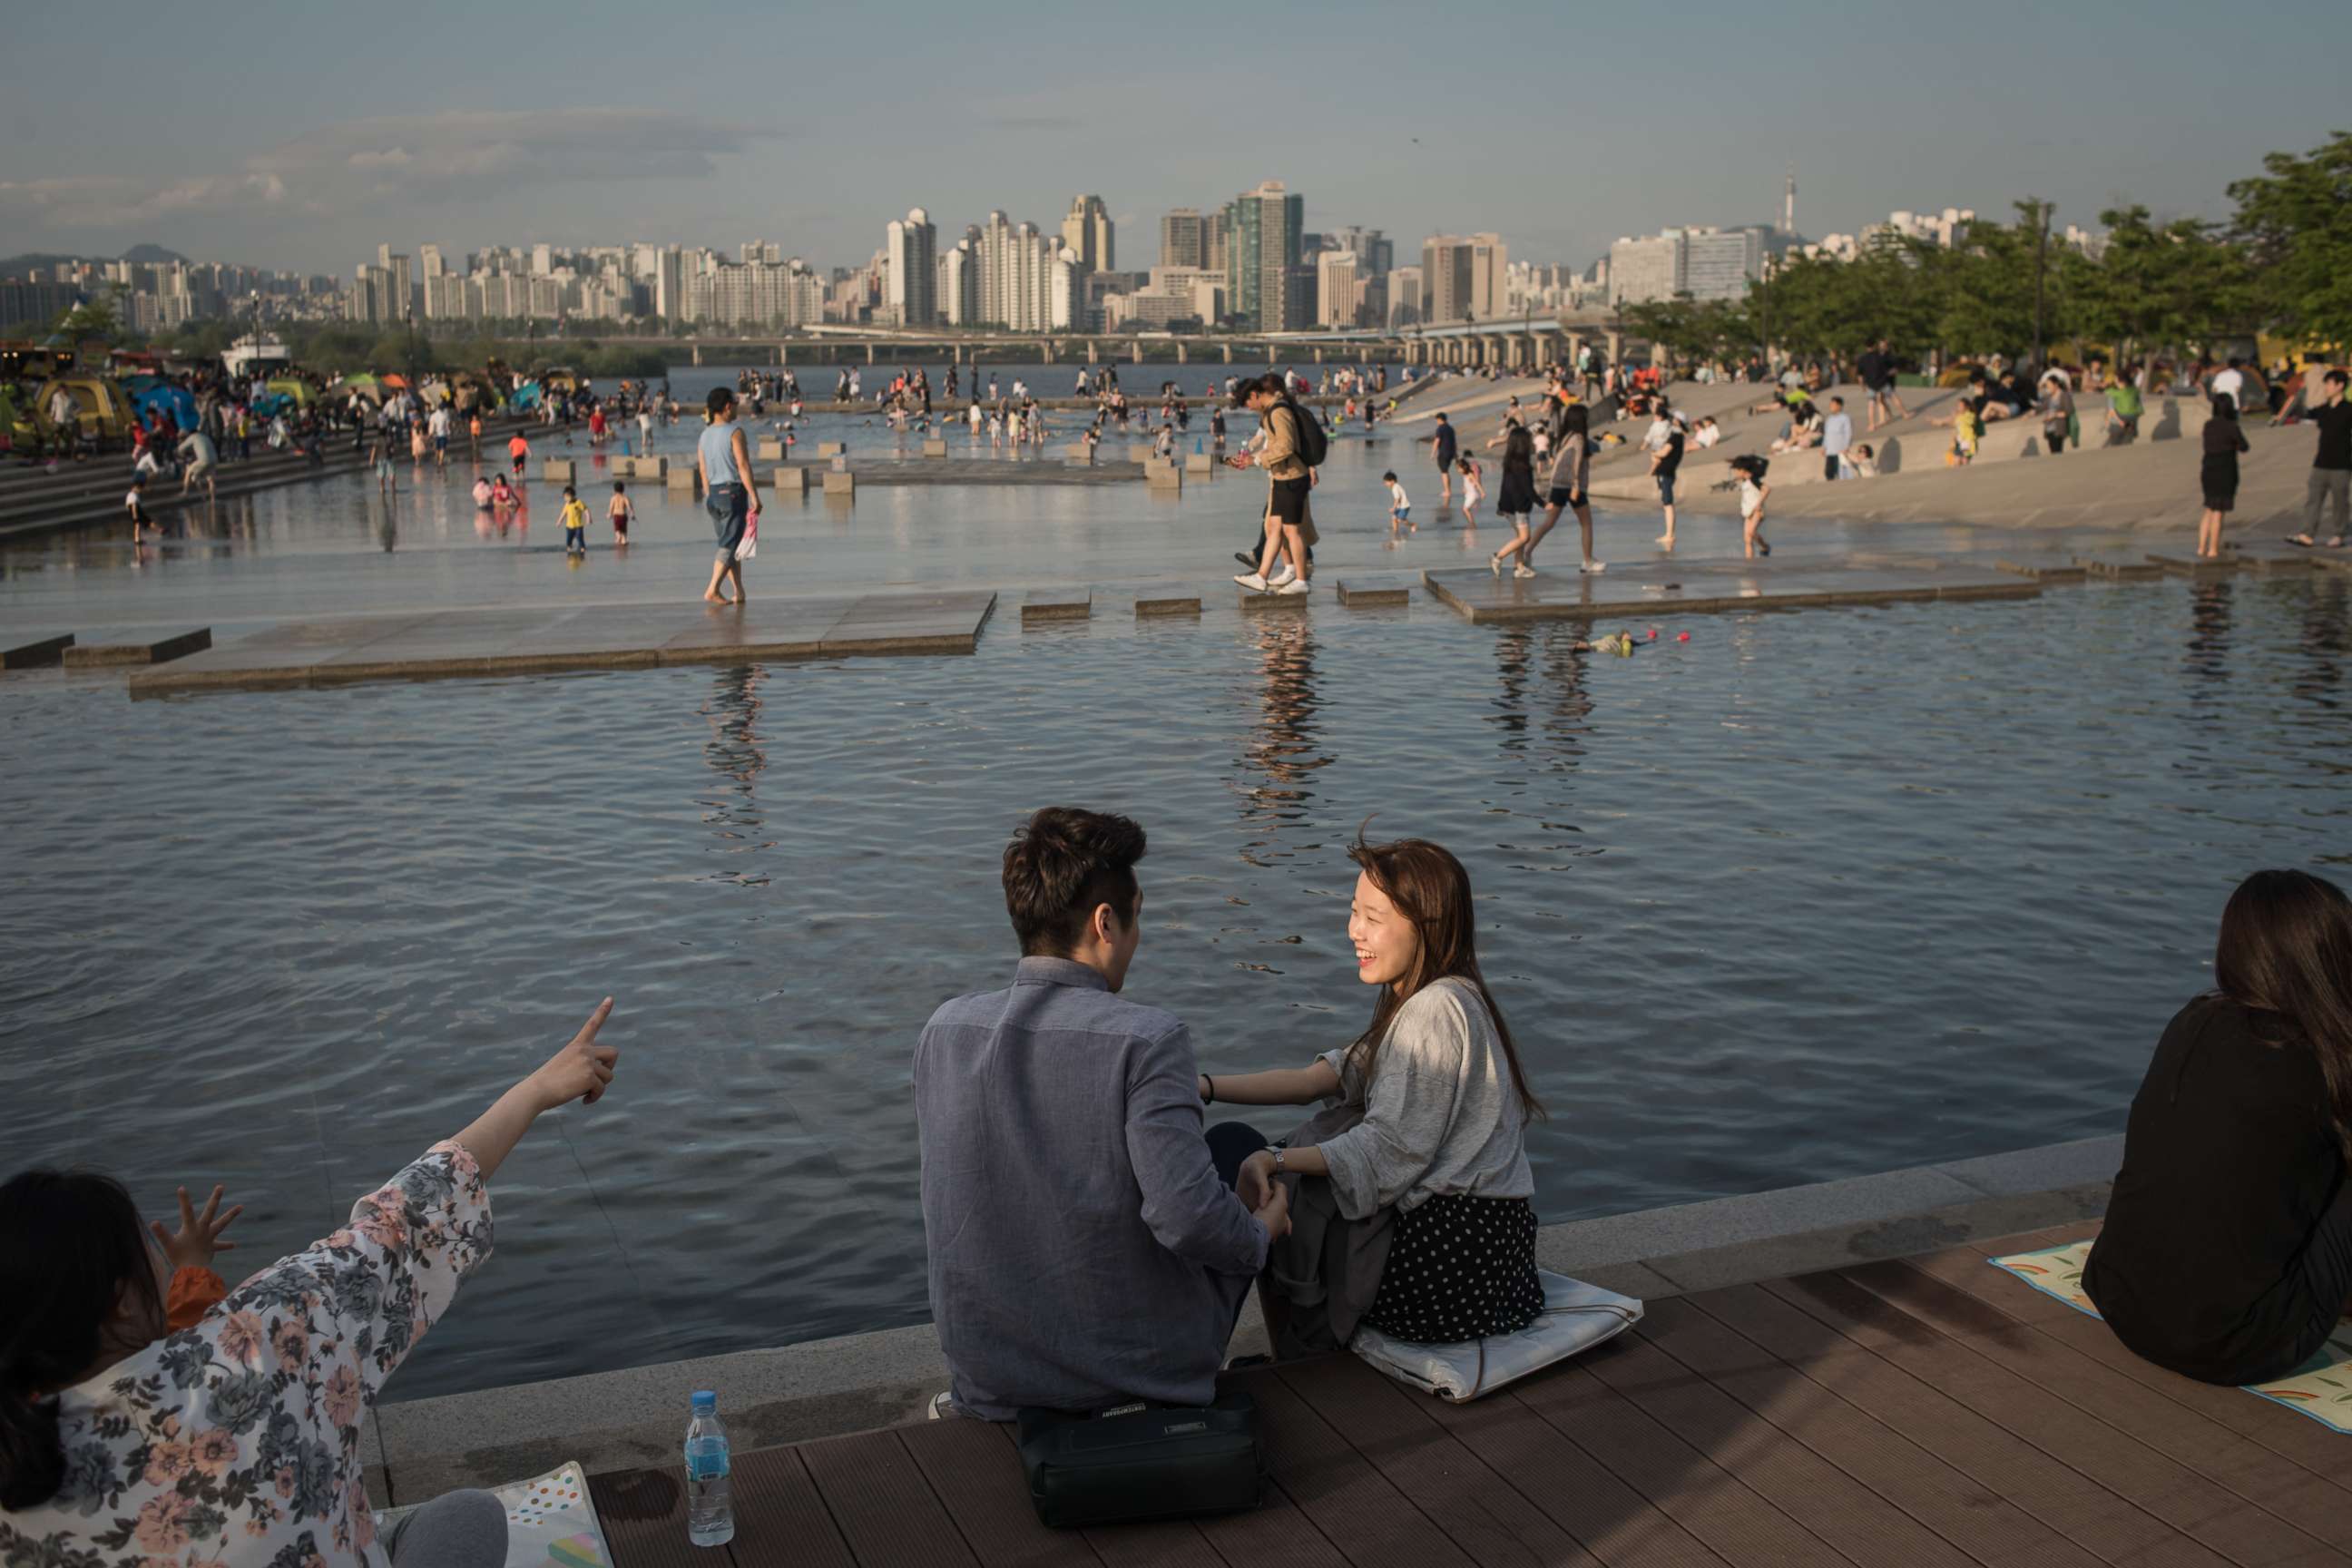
{"type": "Point", "coordinates": [1459, 1268]}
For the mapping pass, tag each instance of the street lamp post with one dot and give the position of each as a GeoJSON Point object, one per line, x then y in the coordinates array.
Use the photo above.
{"type": "Point", "coordinates": [2040, 255]}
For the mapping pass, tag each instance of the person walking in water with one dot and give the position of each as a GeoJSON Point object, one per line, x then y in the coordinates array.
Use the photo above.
{"type": "Point", "coordinates": [733, 500]}
{"type": "Point", "coordinates": [1444, 443]}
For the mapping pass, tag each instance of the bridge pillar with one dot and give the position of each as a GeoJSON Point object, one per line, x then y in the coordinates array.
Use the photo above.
{"type": "Point", "coordinates": [1136, 349]}
{"type": "Point", "coordinates": [1046, 348]}
{"type": "Point", "coordinates": [1094, 352]}
{"type": "Point", "coordinates": [697, 353]}
{"type": "Point", "coordinates": [1616, 346]}
{"type": "Point", "coordinates": [1180, 351]}
{"type": "Point", "coordinates": [869, 354]}
{"type": "Point", "coordinates": [1229, 353]}
{"type": "Point", "coordinates": [1318, 355]}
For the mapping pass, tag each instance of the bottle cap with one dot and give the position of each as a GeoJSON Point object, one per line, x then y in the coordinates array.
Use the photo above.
{"type": "Point", "coordinates": [705, 1399]}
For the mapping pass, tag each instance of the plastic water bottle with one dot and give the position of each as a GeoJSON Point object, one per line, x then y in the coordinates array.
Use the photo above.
{"type": "Point", "coordinates": [709, 1510]}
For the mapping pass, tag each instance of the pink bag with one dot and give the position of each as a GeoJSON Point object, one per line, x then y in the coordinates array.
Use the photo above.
{"type": "Point", "coordinates": [750, 545]}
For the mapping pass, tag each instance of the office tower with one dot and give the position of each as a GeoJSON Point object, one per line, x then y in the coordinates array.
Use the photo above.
{"type": "Point", "coordinates": [1489, 259]}
{"type": "Point", "coordinates": [1446, 282]}
{"type": "Point", "coordinates": [1334, 289]}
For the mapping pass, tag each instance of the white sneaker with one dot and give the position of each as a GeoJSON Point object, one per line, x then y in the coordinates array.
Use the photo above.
{"type": "Point", "coordinates": [942, 1403]}
{"type": "Point", "coordinates": [1252, 581]}
{"type": "Point", "coordinates": [1284, 575]}
{"type": "Point", "coordinates": [1523, 572]}
{"type": "Point", "coordinates": [1296, 586]}
{"type": "Point", "coordinates": [1593, 568]}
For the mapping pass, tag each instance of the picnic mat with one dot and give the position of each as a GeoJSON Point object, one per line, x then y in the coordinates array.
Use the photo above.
{"type": "Point", "coordinates": [550, 1522]}
{"type": "Point", "coordinates": [2320, 1388]}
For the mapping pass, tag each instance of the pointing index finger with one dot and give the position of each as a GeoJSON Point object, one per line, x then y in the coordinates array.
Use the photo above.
{"type": "Point", "coordinates": [597, 1020]}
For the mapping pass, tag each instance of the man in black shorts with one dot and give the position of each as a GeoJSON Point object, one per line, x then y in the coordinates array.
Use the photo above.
{"type": "Point", "coordinates": [1444, 443]}
{"type": "Point", "coordinates": [1290, 525]}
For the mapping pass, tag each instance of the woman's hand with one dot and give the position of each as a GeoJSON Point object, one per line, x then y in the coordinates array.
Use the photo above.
{"type": "Point", "coordinates": [581, 1069]}
{"type": "Point", "coordinates": [192, 1244]}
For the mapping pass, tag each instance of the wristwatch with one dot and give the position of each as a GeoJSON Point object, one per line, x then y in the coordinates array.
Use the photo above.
{"type": "Point", "coordinates": [1279, 1152]}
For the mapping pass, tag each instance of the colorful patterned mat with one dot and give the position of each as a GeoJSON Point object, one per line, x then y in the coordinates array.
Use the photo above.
{"type": "Point", "coordinates": [2320, 1388]}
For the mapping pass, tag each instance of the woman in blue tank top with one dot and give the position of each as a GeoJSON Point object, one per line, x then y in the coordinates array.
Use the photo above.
{"type": "Point", "coordinates": [725, 459]}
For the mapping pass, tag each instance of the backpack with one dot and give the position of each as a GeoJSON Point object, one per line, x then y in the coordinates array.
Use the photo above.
{"type": "Point", "coordinates": [1314, 444]}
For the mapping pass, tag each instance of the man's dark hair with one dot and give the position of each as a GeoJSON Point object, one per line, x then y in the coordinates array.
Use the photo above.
{"type": "Point", "coordinates": [720, 401]}
{"type": "Point", "coordinates": [2335, 376]}
{"type": "Point", "coordinates": [1062, 865]}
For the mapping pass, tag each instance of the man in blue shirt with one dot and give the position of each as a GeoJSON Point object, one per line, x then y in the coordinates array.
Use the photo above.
{"type": "Point", "coordinates": [1085, 1251]}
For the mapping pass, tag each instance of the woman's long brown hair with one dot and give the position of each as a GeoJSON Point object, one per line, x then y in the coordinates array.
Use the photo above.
{"type": "Point", "coordinates": [2285, 950]}
{"type": "Point", "coordinates": [1430, 891]}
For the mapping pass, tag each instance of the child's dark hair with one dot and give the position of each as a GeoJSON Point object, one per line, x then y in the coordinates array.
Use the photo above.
{"type": "Point", "coordinates": [572, 493]}
{"type": "Point", "coordinates": [72, 1248]}
{"type": "Point", "coordinates": [618, 487]}
{"type": "Point", "coordinates": [1389, 477]}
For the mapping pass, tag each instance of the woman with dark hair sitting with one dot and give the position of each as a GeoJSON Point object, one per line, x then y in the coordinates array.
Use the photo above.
{"type": "Point", "coordinates": [1410, 1207]}
{"type": "Point", "coordinates": [2227, 1252]}
{"type": "Point", "coordinates": [236, 1443]}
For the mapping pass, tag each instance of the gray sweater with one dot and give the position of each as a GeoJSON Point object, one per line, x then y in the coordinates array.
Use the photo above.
{"type": "Point", "coordinates": [1441, 1115]}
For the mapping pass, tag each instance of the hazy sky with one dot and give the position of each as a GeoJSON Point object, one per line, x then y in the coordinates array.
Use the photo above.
{"type": "Point", "coordinates": [304, 135]}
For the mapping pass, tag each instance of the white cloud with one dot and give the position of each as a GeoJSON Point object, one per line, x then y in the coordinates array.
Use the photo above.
{"type": "Point", "coordinates": [406, 159]}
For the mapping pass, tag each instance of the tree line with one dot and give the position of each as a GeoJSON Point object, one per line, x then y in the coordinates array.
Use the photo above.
{"type": "Point", "coordinates": [2281, 264]}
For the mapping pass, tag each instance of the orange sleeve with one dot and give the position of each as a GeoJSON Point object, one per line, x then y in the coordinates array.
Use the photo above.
{"type": "Point", "coordinates": [194, 1292]}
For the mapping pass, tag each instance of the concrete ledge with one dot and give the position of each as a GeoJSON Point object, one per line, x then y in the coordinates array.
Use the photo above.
{"type": "Point", "coordinates": [1146, 609]}
{"type": "Point", "coordinates": [935, 449]}
{"type": "Point", "coordinates": [685, 479]}
{"type": "Point", "coordinates": [622, 1419]}
{"type": "Point", "coordinates": [840, 482]}
{"type": "Point", "coordinates": [1202, 463]}
{"type": "Point", "coordinates": [831, 448]}
{"type": "Point", "coordinates": [556, 470]}
{"type": "Point", "coordinates": [1057, 605]}
{"type": "Point", "coordinates": [36, 654]}
{"type": "Point", "coordinates": [1369, 598]}
{"type": "Point", "coordinates": [788, 480]}
{"type": "Point", "coordinates": [156, 651]}
{"type": "Point", "coordinates": [1272, 604]}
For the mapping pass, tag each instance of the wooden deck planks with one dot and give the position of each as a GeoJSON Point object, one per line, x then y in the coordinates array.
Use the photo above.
{"type": "Point", "coordinates": [2159, 1486]}
{"type": "Point", "coordinates": [976, 1476]}
{"type": "Point", "coordinates": [879, 1500]}
{"type": "Point", "coordinates": [776, 1501]}
{"type": "Point", "coordinates": [1740, 1526]}
{"type": "Point", "coordinates": [1974, 1520]}
{"type": "Point", "coordinates": [1489, 1521]}
{"type": "Point", "coordinates": [2318, 1508]}
{"type": "Point", "coordinates": [1340, 1493]}
{"type": "Point", "coordinates": [643, 1516]}
{"type": "Point", "coordinates": [2059, 1496]}
{"type": "Point", "coordinates": [2306, 1442]}
{"type": "Point", "coordinates": [1812, 1491]}
{"type": "Point", "coordinates": [1572, 1488]}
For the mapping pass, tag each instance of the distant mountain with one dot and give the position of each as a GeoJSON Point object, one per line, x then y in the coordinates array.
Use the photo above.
{"type": "Point", "coordinates": [17, 265]}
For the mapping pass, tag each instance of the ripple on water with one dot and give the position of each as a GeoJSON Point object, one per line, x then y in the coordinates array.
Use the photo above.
{"type": "Point", "coordinates": [1811, 896]}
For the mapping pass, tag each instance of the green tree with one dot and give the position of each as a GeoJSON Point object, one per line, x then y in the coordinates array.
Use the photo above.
{"type": "Point", "coordinates": [2181, 285]}
{"type": "Point", "coordinates": [99, 316]}
{"type": "Point", "coordinates": [2295, 219]}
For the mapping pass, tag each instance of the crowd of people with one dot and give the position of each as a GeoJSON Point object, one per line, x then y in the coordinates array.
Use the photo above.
{"type": "Point", "coordinates": [1068, 1133]}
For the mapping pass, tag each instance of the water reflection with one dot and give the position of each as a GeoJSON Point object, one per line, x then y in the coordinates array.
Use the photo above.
{"type": "Point", "coordinates": [736, 754]}
{"type": "Point", "coordinates": [1282, 748]}
{"type": "Point", "coordinates": [2323, 626]}
{"type": "Point", "coordinates": [2209, 632]}
{"type": "Point", "coordinates": [1541, 668]}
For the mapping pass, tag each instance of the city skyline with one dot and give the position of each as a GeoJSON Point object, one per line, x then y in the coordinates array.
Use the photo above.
{"type": "Point", "coordinates": [2089, 116]}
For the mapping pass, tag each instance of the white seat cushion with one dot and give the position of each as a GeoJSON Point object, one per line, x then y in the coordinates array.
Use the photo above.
{"type": "Point", "coordinates": [1576, 1317]}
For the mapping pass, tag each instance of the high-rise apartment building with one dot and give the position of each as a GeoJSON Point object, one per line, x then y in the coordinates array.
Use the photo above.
{"type": "Point", "coordinates": [1334, 289]}
{"type": "Point", "coordinates": [1463, 277]}
{"type": "Point", "coordinates": [1087, 232]}
{"type": "Point", "coordinates": [1703, 263]}
{"type": "Point", "coordinates": [1184, 239]}
{"type": "Point", "coordinates": [912, 246]}
{"type": "Point", "coordinates": [1375, 253]}
{"type": "Point", "coordinates": [959, 285]}
{"type": "Point", "coordinates": [1405, 297]}
{"type": "Point", "coordinates": [1215, 238]}
{"type": "Point", "coordinates": [1265, 284]}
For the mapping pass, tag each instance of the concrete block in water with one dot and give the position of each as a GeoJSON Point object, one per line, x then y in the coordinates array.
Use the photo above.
{"type": "Point", "coordinates": [1164, 475]}
{"type": "Point", "coordinates": [789, 481]}
{"type": "Point", "coordinates": [935, 448]}
{"type": "Point", "coordinates": [840, 482]}
{"type": "Point", "coordinates": [1201, 463]}
{"type": "Point", "coordinates": [687, 479]}
{"type": "Point", "coordinates": [557, 470]}
{"type": "Point", "coordinates": [648, 468]}
{"type": "Point", "coordinates": [1147, 608]}
{"type": "Point", "coordinates": [1057, 605]}
{"type": "Point", "coordinates": [142, 650]}
{"type": "Point", "coordinates": [831, 448]}
{"type": "Point", "coordinates": [36, 654]}
{"type": "Point", "coordinates": [1369, 597]}
{"type": "Point", "coordinates": [770, 450]}
{"type": "Point", "coordinates": [1272, 604]}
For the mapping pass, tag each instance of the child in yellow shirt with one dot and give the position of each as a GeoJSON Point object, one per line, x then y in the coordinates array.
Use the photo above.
{"type": "Point", "coordinates": [575, 522]}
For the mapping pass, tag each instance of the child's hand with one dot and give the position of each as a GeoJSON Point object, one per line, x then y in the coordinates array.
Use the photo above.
{"type": "Point", "coordinates": [192, 1244]}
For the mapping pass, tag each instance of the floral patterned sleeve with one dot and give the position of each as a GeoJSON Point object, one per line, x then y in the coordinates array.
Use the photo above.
{"type": "Point", "coordinates": [239, 1439]}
